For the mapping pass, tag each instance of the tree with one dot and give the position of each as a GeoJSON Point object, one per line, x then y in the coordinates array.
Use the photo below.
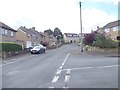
{"type": "Point", "coordinates": [89, 38]}
{"type": "Point", "coordinates": [49, 32]}
{"type": "Point", "coordinates": [57, 33]}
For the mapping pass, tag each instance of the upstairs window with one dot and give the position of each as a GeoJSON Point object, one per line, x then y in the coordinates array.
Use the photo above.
{"type": "Point", "coordinates": [6, 31]}
{"type": "Point", "coordinates": [107, 30]}
{"type": "Point", "coordinates": [115, 28]}
{"type": "Point", "coordinates": [1, 31]}
{"type": "Point", "coordinates": [11, 33]}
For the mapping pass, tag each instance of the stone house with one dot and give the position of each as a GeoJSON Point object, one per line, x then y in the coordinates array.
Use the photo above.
{"type": "Point", "coordinates": [29, 37]}
{"type": "Point", "coordinates": [7, 34]}
{"type": "Point", "coordinates": [71, 38]}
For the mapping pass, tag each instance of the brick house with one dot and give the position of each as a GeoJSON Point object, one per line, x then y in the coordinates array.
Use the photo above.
{"type": "Point", "coordinates": [7, 34]}
{"type": "Point", "coordinates": [29, 37]}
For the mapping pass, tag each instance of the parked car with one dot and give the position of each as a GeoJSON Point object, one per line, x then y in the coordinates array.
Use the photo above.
{"type": "Point", "coordinates": [38, 49]}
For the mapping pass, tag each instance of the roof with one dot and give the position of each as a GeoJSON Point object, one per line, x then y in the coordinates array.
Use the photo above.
{"type": "Point", "coordinates": [71, 34]}
{"type": "Point", "coordinates": [6, 27]}
{"type": "Point", "coordinates": [112, 24]}
{"type": "Point", "coordinates": [30, 31]}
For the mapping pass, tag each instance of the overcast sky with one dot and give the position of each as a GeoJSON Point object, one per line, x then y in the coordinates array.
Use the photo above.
{"type": "Point", "coordinates": [64, 14]}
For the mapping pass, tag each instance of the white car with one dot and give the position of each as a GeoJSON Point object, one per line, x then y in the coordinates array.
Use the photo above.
{"type": "Point", "coordinates": [38, 49]}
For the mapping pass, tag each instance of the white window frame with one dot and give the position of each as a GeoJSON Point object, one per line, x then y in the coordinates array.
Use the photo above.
{"type": "Point", "coordinates": [11, 33]}
{"type": "Point", "coordinates": [107, 30]}
{"type": "Point", "coordinates": [5, 32]}
{"type": "Point", "coordinates": [115, 28]}
{"type": "Point", "coordinates": [2, 31]}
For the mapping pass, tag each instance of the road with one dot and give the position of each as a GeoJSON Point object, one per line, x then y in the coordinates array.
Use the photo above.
{"type": "Point", "coordinates": [63, 67]}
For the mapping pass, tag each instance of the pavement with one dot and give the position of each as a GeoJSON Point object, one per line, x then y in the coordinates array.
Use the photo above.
{"type": "Point", "coordinates": [64, 67]}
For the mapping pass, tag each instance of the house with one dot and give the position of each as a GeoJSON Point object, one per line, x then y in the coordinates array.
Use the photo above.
{"type": "Point", "coordinates": [7, 34]}
{"type": "Point", "coordinates": [50, 39]}
{"type": "Point", "coordinates": [112, 29]}
{"type": "Point", "coordinates": [29, 37]}
{"type": "Point", "coordinates": [70, 37]}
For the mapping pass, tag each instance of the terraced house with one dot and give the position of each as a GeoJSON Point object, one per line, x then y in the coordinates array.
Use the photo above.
{"type": "Point", "coordinates": [29, 37]}
{"type": "Point", "coordinates": [7, 34]}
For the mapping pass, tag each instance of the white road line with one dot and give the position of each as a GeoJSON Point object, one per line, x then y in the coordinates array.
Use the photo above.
{"type": "Point", "coordinates": [55, 79]}
{"type": "Point", "coordinates": [63, 64]}
{"type": "Point", "coordinates": [61, 67]}
{"type": "Point", "coordinates": [108, 66]}
{"type": "Point", "coordinates": [51, 87]}
{"type": "Point", "coordinates": [92, 67]}
{"type": "Point", "coordinates": [68, 72]}
{"type": "Point", "coordinates": [67, 78]}
{"type": "Point", "coordinates": [13, 72]}
{"type": "Point", "coordinates": [58, 72]}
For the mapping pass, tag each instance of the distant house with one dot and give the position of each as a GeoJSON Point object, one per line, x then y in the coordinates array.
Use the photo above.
{"type": "Point", "coordinates": [29, 37]}
{"type": "Point", "coordinates": [50, 39]}
{"type": "Point", "coordinates": [70, 37]}
{"type": "Point", "coordinates": [112, 29]}
{"type": "Point", "coordinates": [7, 34]}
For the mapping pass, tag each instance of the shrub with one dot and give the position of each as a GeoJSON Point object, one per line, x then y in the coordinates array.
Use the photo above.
{"type": "Point", "coordinates": [10, 47]}
{"type": "Point", "coordinates": [102, 42]}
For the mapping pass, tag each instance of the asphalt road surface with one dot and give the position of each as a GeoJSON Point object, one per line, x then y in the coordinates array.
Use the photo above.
{"type": "Point", "coordinates": [63, 67]}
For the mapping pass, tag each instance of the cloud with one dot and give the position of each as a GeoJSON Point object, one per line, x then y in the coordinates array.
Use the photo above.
{"type": "Point", "coordinates": [45, 14]}
{"type": "Point", "coordinates": [94, 17]}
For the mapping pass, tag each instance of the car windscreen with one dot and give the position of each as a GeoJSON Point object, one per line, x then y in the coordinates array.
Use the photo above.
{"type": "Point", "coordinates": [36, 47]}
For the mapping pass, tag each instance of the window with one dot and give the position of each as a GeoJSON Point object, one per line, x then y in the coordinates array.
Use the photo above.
{"type": "Point", "coordinates": [1, 31]}
{"type": "Point", "coordinates": [12, 33]}
{"type": "Point", "coordinates": [6, 31]}
{"type": "Point", "coordinates": [106, 30]}
{"type": "Point", "coordinates": [115, 28]}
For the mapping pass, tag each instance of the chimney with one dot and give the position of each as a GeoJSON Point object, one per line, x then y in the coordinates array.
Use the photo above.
{"type": "Point", "coordinates": [98, 28]}
{"type": "Point", "coordinates": [33, 28]}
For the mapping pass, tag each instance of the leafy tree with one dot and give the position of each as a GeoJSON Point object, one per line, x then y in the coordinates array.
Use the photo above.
{"type": "Point", "coordinates": [89, 38]}
{"type": "Point", "coordinates": [49, 32]}
{"type": "Point", "coordinates": [57, 33]}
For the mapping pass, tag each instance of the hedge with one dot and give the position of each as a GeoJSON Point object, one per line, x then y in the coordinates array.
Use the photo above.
{"type": "Point", "coordinates": [10, 47]}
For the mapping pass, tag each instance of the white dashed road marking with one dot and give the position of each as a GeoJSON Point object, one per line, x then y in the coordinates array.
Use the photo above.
{"type": "Point", "coordinates": [68, 71]}
{"type": "Point", "coordinates": [67, 78]}
{"type": "Point", "coordinates": [58, 72]}
{"type": "Point", "coordinates": [55, 79]}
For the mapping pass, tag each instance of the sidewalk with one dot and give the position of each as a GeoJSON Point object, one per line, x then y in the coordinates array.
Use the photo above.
{"type": "Point", "coordinates": [13, 58]}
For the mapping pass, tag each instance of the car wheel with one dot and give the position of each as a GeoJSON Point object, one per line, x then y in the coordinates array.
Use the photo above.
{"type": "Point", "coordinates": [44, 50]}
{"type": "Point", "coordinates": [39, 52]}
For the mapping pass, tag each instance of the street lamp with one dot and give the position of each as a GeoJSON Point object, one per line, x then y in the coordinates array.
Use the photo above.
{"type": "Point", "coordinates": [81, 46]}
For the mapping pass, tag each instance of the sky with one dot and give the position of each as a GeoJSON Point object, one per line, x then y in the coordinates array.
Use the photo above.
{"type": "Point", "coordinates": [64, 14]}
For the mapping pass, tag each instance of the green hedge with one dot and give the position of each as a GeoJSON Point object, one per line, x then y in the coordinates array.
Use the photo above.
{"type": "Point", "coordinates": [10, 47]}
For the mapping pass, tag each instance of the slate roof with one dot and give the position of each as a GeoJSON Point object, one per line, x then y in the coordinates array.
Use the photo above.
{"type": "Point", "coordinates": [71, 34]}
{"type": "Point", "coordinates": [6, 27]}
{"type": "Point", "coordinates": [30, 31]}
{"type": "Point", "coordinates": [112, 24]}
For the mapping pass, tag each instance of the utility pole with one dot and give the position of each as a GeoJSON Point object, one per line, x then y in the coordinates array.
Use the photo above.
{"type": "Point", "coordinates": [81, 45]}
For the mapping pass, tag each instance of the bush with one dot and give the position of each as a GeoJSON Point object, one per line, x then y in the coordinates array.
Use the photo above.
{"type": "Point", "coordinates": [10, 47]}
{"type": "Point", "coordinates": [102, 42]}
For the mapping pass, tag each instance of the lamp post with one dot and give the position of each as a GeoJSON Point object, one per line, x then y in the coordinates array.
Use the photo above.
{"type": "Point", "coordinates": [81, 46]}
